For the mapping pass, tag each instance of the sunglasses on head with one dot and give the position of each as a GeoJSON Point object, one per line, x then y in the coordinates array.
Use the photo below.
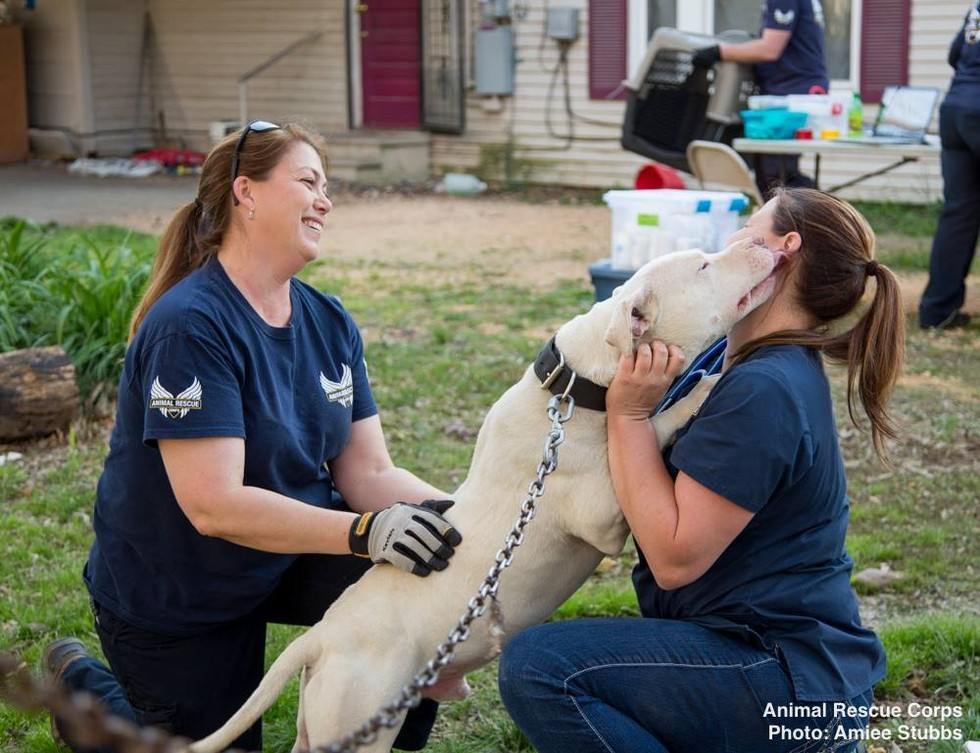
{"type": "Point", "coordinates": [259, 126]}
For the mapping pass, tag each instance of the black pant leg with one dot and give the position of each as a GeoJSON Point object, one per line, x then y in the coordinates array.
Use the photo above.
{"type": "Point", "coordinates": [779, 170]}
{"type": "Point", "coordinates": [310, 585]}
{"type": "Point", "coordinates": [188, 686]}
{"type": "Point", "coordinates": [955, 241]}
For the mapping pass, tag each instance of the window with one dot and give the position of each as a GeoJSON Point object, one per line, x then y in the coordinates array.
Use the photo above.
{"type": "Point", "coordinates": [660, 13]}
{"type": "Point", "coordinates": [841, 40]}
{"type": "Point", "coordinates": [746, 14]}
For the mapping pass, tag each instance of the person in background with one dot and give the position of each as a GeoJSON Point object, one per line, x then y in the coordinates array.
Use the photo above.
{"type": "Point", "coordinates": [955, 242]}
{"type": "Point", "coordinates": [248, 480]}
{"type": "Point", "coordinates": [789, 59]}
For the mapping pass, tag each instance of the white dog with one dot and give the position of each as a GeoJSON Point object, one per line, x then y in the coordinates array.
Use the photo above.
{"type": "Point", "coordinates": [386, 626]}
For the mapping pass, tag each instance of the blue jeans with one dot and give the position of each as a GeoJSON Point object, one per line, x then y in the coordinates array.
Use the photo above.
{"type": "Point", "coordinates": [656, 686]}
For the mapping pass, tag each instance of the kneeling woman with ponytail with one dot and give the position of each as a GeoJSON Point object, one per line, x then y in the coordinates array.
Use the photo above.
{"type": "Point", "coordinates": [248, 480]}
{"type": "Point", "coordinates": [752, 639]}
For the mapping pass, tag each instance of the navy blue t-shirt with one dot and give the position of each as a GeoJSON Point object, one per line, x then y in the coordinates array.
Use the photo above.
{"type": "Point", "coordinates": [205, 364]}
{"type": "Point", "coordinates": [964, 56]}
{"type": "Point", "coordinates": [766, 440]}
{"type": "Point", "coordinates": [802, 63]}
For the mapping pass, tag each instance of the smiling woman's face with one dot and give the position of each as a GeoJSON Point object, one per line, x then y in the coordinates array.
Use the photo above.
{"type": "Point", "coordinates": [291, 205]}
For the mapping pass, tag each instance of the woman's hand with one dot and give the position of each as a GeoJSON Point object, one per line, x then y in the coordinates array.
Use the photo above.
{"type": "Point", "coordinates": [415, 538]}
{"type": "Point", "coordinates": [642, 380]}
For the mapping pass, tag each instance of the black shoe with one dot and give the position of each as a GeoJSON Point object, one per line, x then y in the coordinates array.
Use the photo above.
{"type": "Point", "coordinates": [956, 320]}
{"type": "Point", "coordinates": [57, 657]}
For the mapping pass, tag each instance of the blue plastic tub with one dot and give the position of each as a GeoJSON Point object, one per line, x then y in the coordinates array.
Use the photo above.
{"type": "Point", "coordinates": [776, 123]}
{"type": "Point", "coordinates": [605, 279]}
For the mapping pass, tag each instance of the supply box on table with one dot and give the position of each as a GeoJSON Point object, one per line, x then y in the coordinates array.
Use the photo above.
{"type": "Point", "coordinates": [648, 224]}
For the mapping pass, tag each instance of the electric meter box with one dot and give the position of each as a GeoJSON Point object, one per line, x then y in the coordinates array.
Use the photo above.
{"type": "Point", "coordinates": [495, 60]}
{"type": "Point", "coordinates": [563, 24]}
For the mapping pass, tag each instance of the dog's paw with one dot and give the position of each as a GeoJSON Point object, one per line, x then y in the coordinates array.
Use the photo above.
{"type": "Point", "coordinates": [453, 689]}
{"type": "Point", "coordinates": [701, 391]}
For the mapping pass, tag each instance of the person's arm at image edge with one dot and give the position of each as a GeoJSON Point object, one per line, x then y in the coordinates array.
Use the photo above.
{"type": "Point", "coordinates": [767, 49]}
{"type": "Point", "coordinates": [681, 527]}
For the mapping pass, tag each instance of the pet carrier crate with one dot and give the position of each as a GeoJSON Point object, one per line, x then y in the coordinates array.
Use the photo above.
{"type": "Point", "coordinates": [671, 103]}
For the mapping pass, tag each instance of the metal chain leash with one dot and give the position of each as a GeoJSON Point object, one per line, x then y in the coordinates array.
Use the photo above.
{"type": "Point", "coordinates": [90, 725]}
{"type": "Point", "coordinates": [411, 694]}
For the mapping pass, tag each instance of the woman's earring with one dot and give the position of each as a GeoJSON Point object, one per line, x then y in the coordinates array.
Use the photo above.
{"type": "Point", "coordinates": [251, 213]}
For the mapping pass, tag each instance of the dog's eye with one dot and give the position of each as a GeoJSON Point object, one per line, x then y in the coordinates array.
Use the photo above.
{"type": "Point", "coordinates": [704, 267]}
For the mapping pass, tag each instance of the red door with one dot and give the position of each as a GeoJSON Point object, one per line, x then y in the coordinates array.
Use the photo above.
{"type": "Point", "coordinates": [391, 63]}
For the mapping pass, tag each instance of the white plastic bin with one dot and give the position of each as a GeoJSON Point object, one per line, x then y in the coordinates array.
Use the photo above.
{"type": "Point", "coordinates": [826, 112]}
{"type": "Point", "coordinates": [648, 224]}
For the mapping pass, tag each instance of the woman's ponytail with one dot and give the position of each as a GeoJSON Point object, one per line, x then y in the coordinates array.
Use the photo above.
{"type": "Point", "coordinates": [833, 267]}
{"type": "Point", "coordinates": [875, 351]}
{"type": "Point", "coordinates": [178, 255]}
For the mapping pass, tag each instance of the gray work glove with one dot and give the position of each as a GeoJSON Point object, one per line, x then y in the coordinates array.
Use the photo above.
{"type": "Point", "coordinates": [415, 538]}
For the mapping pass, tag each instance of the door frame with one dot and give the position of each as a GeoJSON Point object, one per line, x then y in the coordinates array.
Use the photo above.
{"type": "Point", "coordinates": [355, 91]}
{"type": "Point", "coordinates": [355, 84]}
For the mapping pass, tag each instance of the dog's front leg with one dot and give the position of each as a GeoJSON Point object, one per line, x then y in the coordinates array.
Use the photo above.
{"type": "Point", "coordinates": [668, 423]}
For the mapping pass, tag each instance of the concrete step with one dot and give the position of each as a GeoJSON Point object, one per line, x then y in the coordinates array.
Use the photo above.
{"type": "Point", "coordinates": [380, 156]}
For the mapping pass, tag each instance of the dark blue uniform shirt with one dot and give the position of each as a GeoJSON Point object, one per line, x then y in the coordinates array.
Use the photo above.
{"type": "Point", "coordinates": [964, 56]}
{"type": "Point", "coordinates": [802, 62]}
{"type": "Point", "coordinates": [205, 364]}
{"type": "Point", "coordinates": [766, 440]}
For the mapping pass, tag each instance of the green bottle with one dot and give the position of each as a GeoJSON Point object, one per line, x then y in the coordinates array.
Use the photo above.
{"type": "Point", "coordinates": [855, 116]}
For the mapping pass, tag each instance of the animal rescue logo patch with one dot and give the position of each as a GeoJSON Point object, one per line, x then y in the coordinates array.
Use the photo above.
{"type": "Point", "coordinates": [176, 406]}
{"type": "Point", "coordinates": [339, 392]}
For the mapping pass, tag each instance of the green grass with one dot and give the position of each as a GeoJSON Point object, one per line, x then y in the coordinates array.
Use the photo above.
{"type": "Point", "coordinates": [439, 354]}
{"type": "Point", "coordinates": [911, 220]}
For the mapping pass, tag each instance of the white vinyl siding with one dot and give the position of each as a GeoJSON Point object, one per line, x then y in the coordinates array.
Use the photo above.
{"type": "Point", "coordinates": [115, 39]}
{"type": "Point", "coordinates": [541, 158]}
{"type": "Point", "coordinates": [201, 49]}
{"type": "Point", "coordinates": [54, 62]}
{"type": "Point", "coordinates": [600, 164]}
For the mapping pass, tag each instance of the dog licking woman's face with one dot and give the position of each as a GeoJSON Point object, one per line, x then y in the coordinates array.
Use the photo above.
{"type": "Point", "coordinates": [690, 298]}
{"type": "Point", "coordinates": [759, 228]}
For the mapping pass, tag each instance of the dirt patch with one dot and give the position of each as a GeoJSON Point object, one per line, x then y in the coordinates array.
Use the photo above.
{"type": "Point", "coordinates": [527, 243]}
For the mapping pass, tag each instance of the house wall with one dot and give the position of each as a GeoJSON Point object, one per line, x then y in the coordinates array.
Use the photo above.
{"type": "Point", "coordinates": [545, 159]}
{"type": "Point", "coordinates": [201, 49]}
{"type": "Point", "coordinates": [539, 156]}
{"type": "Point", "coordinates": [55, 51]}
{"type": "Point", "coordinates": [119, 99]}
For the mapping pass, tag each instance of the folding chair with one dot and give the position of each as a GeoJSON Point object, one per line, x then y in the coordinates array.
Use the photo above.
{"type": "Point", "coordinates": [713, 162]}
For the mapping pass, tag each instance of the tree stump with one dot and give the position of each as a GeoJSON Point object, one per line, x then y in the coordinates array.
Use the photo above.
{"type": "Point", "coordinates": [38, 394]}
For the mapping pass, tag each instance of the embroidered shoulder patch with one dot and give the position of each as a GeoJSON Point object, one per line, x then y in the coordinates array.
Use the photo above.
{"type": "Point", "coordinates": [176, 406]}
{"type": "Point", "coordinates": [784, 17]}
{"type": "Point", "coordinates": [339, 392]}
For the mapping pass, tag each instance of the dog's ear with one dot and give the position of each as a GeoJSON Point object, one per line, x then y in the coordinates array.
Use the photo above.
{"type": "Point", "coordinates": [631, 318]}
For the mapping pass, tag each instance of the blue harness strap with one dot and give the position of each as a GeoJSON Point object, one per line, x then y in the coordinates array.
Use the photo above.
{"type": "Point", "coordinates": [707, 363]}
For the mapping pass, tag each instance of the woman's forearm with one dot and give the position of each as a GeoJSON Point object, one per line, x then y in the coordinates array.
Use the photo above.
{"type": "Point", "coordinates": [271, 522]}
{"type": "Point", "coordinates": [375, 491]}
{"type": "Point", "coordinates": [645, 492]}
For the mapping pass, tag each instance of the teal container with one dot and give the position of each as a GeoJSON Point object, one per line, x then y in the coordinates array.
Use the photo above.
{"type": "Point", "coordinates": [776, 123]}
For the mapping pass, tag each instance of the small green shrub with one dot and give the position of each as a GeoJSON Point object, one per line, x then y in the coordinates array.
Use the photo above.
{"type": "Point", "coordinates": [74, 291]}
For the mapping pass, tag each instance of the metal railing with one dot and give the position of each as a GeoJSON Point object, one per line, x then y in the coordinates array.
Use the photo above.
{"type": "Point", "coordinates": [249, 75]}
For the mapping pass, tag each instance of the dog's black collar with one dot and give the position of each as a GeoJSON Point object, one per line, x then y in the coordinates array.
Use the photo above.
{"type": "Point", "coordinates": [554, 373]}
